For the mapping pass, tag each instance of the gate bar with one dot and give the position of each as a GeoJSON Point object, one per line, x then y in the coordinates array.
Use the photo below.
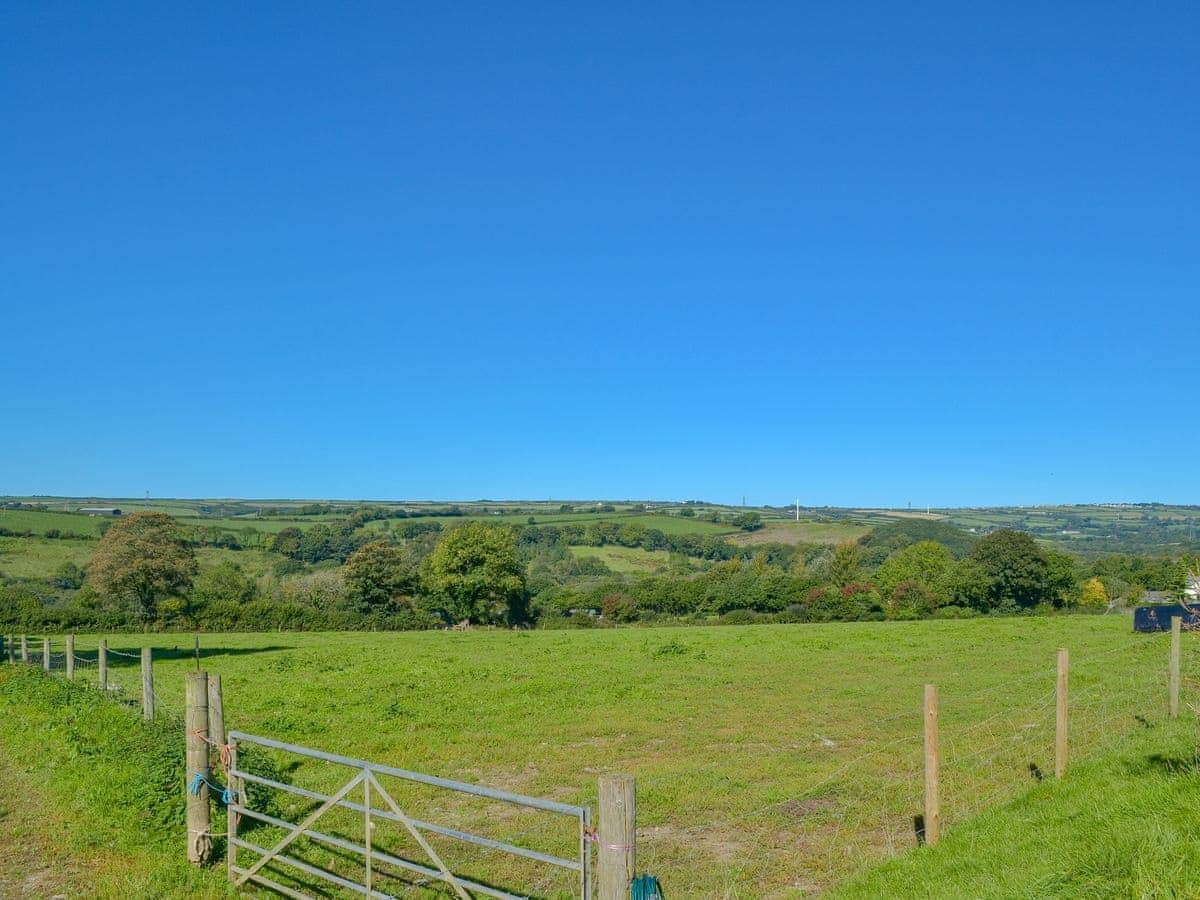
{"type": "Point", "coordinates": [377, 854]}
{"type": "Point", "coordinates": [464, 787]}
{"type": "Point", "coordinates": [572, 864]}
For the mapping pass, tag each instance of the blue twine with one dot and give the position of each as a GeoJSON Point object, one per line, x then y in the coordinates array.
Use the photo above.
{"type": "Point", "coordinates": [198, 781]}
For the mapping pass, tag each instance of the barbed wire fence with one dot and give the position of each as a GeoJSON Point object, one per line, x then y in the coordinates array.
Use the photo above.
{"type": "Point", "coordinates": [802, 814]}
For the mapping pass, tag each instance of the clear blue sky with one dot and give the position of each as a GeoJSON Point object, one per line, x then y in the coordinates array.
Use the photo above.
{"type": "Point", "coordinates": [856, 253]}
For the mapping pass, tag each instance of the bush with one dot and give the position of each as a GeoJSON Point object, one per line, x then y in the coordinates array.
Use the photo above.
{"type": "Point", "coordinates": [619, 608]}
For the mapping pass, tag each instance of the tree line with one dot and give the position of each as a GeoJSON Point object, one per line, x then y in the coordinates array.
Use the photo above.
{"type": "Point", "coordinates": [340, 575]}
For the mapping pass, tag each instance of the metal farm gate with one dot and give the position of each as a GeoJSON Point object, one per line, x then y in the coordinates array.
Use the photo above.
{"type": "Point", "coordinates": [378, 804]}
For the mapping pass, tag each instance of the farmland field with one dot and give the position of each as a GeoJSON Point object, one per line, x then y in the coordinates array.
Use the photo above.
{"type": "Point", "coordinates": [784, 532]}
{"type": "Point", "coordinates": [40, 557]}
{"type": "Point", "coordinates": [625, 559]}
{"type": "Point", "coordinates": [39, 522]}
{"type": "Point", "coordinates": [771, 760]}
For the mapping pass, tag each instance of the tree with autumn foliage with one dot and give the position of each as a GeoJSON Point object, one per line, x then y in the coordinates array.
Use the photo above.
{"type": "Point", "coordinates": [141, 560]}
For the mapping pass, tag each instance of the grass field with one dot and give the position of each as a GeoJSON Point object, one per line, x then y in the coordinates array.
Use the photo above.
{"type": "Point", "coordinates": [778, 532]}
{"type": "Point", "coordinates": [39, 522]}
{"type": "Point", "coordinates": [772, 760]}
{"type": "Point", "coordinates": [626, 560]}
{"type": "Point", "coordinates": [41, 557]}
{"type": "Point", "coordinates": [1123, 824]}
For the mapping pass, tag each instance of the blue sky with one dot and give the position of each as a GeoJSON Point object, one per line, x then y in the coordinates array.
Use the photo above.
{"type": "Point", "coordinates": [863, 254]}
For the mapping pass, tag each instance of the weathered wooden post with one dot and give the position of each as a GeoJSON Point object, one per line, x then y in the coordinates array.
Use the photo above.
{"type": "Point", "coordinates": [216, 710]}
{"type": "Point", "coordinates": [24, 649]}
{"type": "Point", "coordinates": [1060, 714]}
{"type": "Point", "coordinates": [148, 684]}
{"type": "Point", "coordinates": [102, 664]}
{"type": "Point", "coordinates": [12, 650]}
{"type": "Point", "coordinates": [1173, 701]}
{"type": "Point", "coordinates": [199, 840]}
{"type": "Point", "coordinates": [46, 654]}
{"type": "Point", "coordinates": [70, 657]}
{"type": "Point", "coordinates": [617, 857]}
{"type": "Point", "coordinates": [933, 799]}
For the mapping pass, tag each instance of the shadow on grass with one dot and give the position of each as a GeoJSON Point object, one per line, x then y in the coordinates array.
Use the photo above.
{"type": "Point", "coordinates": [130, 657]}
{"type": "Point", "coordinates": [1166, 765]}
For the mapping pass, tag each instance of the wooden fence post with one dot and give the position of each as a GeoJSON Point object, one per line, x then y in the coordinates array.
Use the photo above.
{"type": "Point", "coordinates": [46, 654]}
{"type": "Point", "coordinates": [1060, 715]}
{"type": "Point", "coordinates": [216, 710]}
{"type": "Point", "coordinates": [617, 857]}
{"type": "Point", "coordinates": [24, 649]}
{"type": "Point", "coordinates": [102, 664]}
{"type": "Point", "coordinates": [199, 840]}
{"type": "Point", "coordinates": [70, 657]}
{"type": "Point", "coordinates": [12, 650]}
{"type": "Point", "coordinates": [933, 799]}
{"type": "Point", "coordinates": [1173, 702]}
{"type": "Point", "coordinates": [148, 684]}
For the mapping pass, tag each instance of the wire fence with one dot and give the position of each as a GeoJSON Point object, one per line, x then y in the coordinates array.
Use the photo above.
{"type": "Point", "coordinates": [802, 811]}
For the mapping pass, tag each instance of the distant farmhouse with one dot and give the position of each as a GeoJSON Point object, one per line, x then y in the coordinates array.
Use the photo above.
{"type": "Point", "coordinates": [100, 511]}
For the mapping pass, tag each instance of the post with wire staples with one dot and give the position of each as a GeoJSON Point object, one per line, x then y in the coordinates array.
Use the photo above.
{"type": "Point", "coordinates": [102, 664]}
{"type": "Point", "coordinates": [1173, 699]}
{"type": "Point", "coordinates": [617, 856]}
{"type": "Point", "coordinates": [148, 684]}
{"type": "Point", "coordinates": [933, 799]}
{"type": "Point", "coordinates": [46, 654]}
{"type": "Point", "coordinates": [1060, 715]}
{"type": "Point", "coordinates": [24, 649]}
{"type": "Point", "coordinates": [199, 840]}
{"type": "Point", "coordinates": [70, 657]}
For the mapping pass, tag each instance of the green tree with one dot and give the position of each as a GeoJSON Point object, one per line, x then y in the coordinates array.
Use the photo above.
{"type": "Point", "coordinates": [68, 576]}
{"type": "Point", "coordinates": [473, 574]}
{"type": "Point", "coordinates": [926, 564]}
{"type": "Point", "coordinates": [287, 541]}
{"type": "Point", "coordinates": [845, 563]}
{"type": "Point", "coordinates": [1017, 573]}
{"type": "Point", "coordinates": [378, 575]}
{"type": "Point", "coordinates": [141, 560]}
{"type": "Point", "coordinates": [224, 581]}
{"type": "Point", "coordinates": [748, 521]}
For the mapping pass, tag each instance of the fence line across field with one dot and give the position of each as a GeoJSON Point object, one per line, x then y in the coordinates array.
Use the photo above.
{"type": "Point", "coordinates": [940, 772]}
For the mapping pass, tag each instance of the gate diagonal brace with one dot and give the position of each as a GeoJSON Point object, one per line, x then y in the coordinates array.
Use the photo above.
{"type": "Point", "coordinates": [302, 827]}
{"type": "Point", "coordinates": [447, 875]}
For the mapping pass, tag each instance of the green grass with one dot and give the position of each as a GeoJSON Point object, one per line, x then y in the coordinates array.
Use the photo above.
{"type": "Point", "coordinates": [106, 793]}
{"type": "Point", "coordinates": [772, 760]}
{"type": "Point", "coordinates": [39, 522]}
{"type": "Point", "coordinates": [1120, 825]}
{"type": "Point", "coordinates": [265, 526]}
{"type": "Point", "coordinates": [626, 560]}
{"type": "Point", "coordinates": [41, 557]}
